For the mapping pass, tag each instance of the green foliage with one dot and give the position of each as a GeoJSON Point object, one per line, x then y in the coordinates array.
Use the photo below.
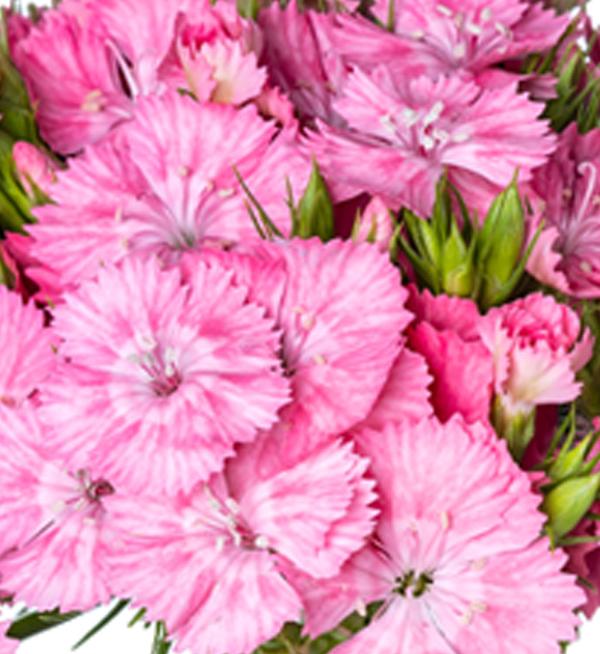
{"type": "Point", "coordinates": [458, 256]}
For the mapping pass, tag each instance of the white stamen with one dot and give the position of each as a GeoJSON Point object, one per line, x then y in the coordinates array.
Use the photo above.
{"type": "Point", "coordinates": [319, 359]}
{"type": "Point", "coordinates": [409, 117]}
{"type": "Point", "coordinates": [474, 29]}
{"type": "Point", "coordinates": [426, 141]}
{"type": "Point", "coordinates": [466, 617]}
{"type": "Point", "coordinates": [479, 607]}
{"type": "Point", "coordinates": [231, 523]}
{"type": "Point", "coordinates": [502, 30]}
{"type": "Point", "coordinates": [237, 539]}
{"type": "Point", "coordinates": [441, 135]}
{"type": "Point", "coordinates": [459, 19]}
{"type": "Point", "coordinates": [361, 608]}
{"type": "Point", "coordinates": [183, 171]}
{"type": "Point", "coordinates": [170, 370]}
{"type": "Point", "coordinates": [479, 564]}
{"type": "Point", "coordinates": [232, 505]}
{"type": "Point", "coordinates": [486, 14]}
{"type": "Point", "coordinates": [586, 266]}
{"type": "Point", "coordinates": [170, 355]}
{"type": "Point", "coordinates": [262, 542]}
{"type": "Point", "coordinates": [418, 34]}
{"type": "Point", "coordinates": [445, 519]}
{"type": "Point", "coordinates": [459, 50]}
{"type": "Point", "coordinates": [119, 214]}
{"type": "Point", "coordinates": [145, 341]}
{"type": "Point", "coordinates": [220, 543]}
{"type": "Point", "coordinates": [445, 11]}
{"type": "Point", "coordinates": [58, 507]}
{"type": "Point", "coordinates": [460, 136]}
{"type": "Point", "coordinates": [307, 321]}
{"type": "Point", "coordinates": [434, 113]}
{"type": "Point", "coordinates": [93, 102]}
{"type": "Point", "coordinates": [225, 192]}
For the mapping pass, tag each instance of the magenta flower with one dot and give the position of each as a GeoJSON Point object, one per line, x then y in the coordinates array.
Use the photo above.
{"type": "Point", "coordinates": [446, 334]}
{"type": "Point", "coordinates": [404, 132]}
{"type": "Point", "coordinates": [457, 556]}
{"type": "Point", "coordinates": [471, 36]}
{"type": "Point", "coordinates": [161, 379]}
{"type": "Point", "coordinates": [72, 76]}
{"type": "Point", "coordinates": [567, 254]}
{"type": "Point", "coordinates": [26, 349]}
{"type": "Point", "coordinates": [208, 564]}
{"type": "Point", "coordinates": [165, 185]}
{"type": "Point", "coordinates": [52, 545]}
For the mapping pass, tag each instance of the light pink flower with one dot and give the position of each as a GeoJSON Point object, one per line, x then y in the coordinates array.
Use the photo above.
{"type": "Point", "coordinates": [26, 354]}
{"type": "Point", "coordinates": [537, 349]}
{"type": "Point", "coordinates": [72, 77]}
{"type": "Point", "coordinates": [52, 549]}
{"type": "Point", "coordinates": [402, 133]}
{"type": "Point", "coordinates": [457, 555]}
{"type": "Point", "coordinates": [160, 379]}
{"type": "Point", "coordinates": [454, 35]}
{"type": "Point", "coordinates": [567, 254]}
{"type": "Point", "coordinates": [340, 306]}
{"type": "Point", "coordinates": [166, 184]}
{"type": "Point", "coordinates": [34, 168]}
{"type": "Point", "coordinates": [209, 563]}
{"type": "Point", "coordinates": [446, 334]}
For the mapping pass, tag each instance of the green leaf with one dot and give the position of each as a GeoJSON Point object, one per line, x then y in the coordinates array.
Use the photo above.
{"type": "Point", "coordinates": [109, 617]}
{"type": "Point", "coordinates": [35, 623]}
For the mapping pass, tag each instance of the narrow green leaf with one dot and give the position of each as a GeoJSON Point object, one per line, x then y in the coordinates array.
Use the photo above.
{"type": "Point", "coordinates": [109, 617]}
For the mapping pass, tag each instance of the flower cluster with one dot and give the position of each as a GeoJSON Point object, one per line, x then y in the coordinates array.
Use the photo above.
{"type": "Point", "coordinates": [292, 303]}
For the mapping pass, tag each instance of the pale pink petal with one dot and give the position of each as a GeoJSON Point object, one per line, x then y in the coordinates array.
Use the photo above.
{"type": "Point", "coordinates": [295, 509]}
{"type": "Point", "coordinates": [26, 348]}
{"type": "Point", "coordinates": [406, 393]}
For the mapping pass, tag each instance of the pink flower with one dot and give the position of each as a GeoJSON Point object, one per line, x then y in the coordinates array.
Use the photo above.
{"type": "Point", "coordinates": [406, 394]}
{"type": "Point", "coordinates": [26, 349]}
{"type": "Point", "coordinates": [457, 554]}
{"type": "Point", "coordinates": [35, 168]}
{"type": "Point", "coordinates": [566, 256]}
{"type": "Point", "coordinates": [52, 547]}
{"type": "Point", "coordinates": [160, 379]}
{"type": "Point", "coordinates": [165, 185]}
{"type": "Point", "coordinates": [340, 306]}
{"type": "Point", "coordinates": [209, 563]}
{"type": "Point", "coordinates": [537, 350]}
{"type": "Point", "coordinates": [446, 334]}
{"type": "Point", "coordinates": [72, 77]}
{"type": "Point", "coordinates": [452, 36]}
{"type": "Point", "coordinates": [404, 132]}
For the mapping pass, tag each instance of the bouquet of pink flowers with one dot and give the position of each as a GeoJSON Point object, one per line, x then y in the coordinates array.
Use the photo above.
{"type": "Point", "coordinates": [300, 323]}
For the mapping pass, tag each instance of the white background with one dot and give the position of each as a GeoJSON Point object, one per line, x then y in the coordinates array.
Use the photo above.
{"type": "Point", "coordinates": [117, 638]}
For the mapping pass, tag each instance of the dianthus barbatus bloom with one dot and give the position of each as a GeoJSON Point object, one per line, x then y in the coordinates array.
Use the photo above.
{"type": "Point", "coordinates": [208, 563]}
{"type": "Point", "coordinates": [457, 557]}
{"type": "Point", "coordinates": [454, 35]}
{"type": "Point", "coordinates": [26, 354]}
{"type": "Point", "coordinates": [403, 133]}
{"type": "Point", "coordinates": [72, 77]}
{"type": "Point", "coordinates": [462, 368]}
{"type": "Point", "coordinates": [567, 256]}
{"type": "Point", "coordinates": [537, 347]}
{"type": "Point", "coordinates": [52, 546]}
{"type": "Point", "coordinates": [166, 184]}
{"type": "Point", "coordinates": [340, 307]}
{"type": "Point", "coordinates": [160, 378]}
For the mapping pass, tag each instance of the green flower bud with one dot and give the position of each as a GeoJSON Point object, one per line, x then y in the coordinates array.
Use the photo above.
{"type": "Point", "coordinates": [567, 503]}
{"type": "Point", "coordinates": [314, 214]}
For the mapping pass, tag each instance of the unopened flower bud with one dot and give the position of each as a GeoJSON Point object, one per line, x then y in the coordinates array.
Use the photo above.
{"type": "Point", "coordinates": [37, 172]}
{"type": "Point", "coordinates": [374, 225]}
{"type": "Point", "coordinates": [567, 503]}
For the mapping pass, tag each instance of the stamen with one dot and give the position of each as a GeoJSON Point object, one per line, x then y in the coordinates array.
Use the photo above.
{"type": "Point", "coordinates": [262, 542]}
{"type": "Point", "coordinates": [445, 11]}
{"type": "Point", "coordinates": [434, 113]}
{"type": "Point", "coordinates": [232, 505]}
{"type": "Point", "coordinates": [587, 168]}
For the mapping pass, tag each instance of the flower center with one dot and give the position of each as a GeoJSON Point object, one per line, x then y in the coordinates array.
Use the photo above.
{"type": "Point", "coordinates": [159, 364]}
{"type": "Point", "coordinates": [411, 581]}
